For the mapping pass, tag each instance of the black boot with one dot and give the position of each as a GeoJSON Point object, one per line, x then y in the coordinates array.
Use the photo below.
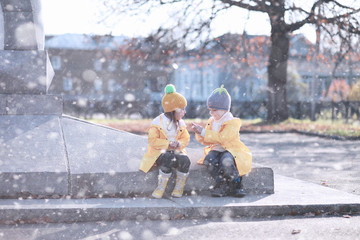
{"type": "Point", "coordinates": [221, 189]}
{"type": "Point", "coordinates": [237, 189]}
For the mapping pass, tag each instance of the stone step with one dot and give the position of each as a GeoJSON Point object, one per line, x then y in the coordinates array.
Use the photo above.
{"type": "Point", "coordinates": [259, 181]}
{"type": "Point", "coordinates": [292, 198]}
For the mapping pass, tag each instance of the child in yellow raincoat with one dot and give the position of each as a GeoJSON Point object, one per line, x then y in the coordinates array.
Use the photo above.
{"type": "Point", "coordinates": [226, 157]}
{"type": "Point", "coordinates": [167, 140]}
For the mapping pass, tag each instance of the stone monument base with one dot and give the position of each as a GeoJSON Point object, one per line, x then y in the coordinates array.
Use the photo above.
{"type": "Point", "coordinates": [55, 156]}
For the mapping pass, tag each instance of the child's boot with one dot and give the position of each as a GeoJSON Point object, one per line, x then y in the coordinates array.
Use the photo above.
{"type": "Point", "coordinates": [221, 188]}
{"type": "Point", "coordinates": [180, 183]}
{"type": "Point", "coordinates": [163, 179]}
{"type": "Point", "coordinates": [237, 188]}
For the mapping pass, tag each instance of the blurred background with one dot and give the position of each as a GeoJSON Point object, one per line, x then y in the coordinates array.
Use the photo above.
{"type": "Point", "coordinates": [112, 59]}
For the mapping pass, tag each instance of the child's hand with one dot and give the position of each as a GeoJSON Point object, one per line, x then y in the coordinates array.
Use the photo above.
{"type": "Point", "coordinates": [174, 144]}
{"type": "Point", "coordinates": [197, 128]}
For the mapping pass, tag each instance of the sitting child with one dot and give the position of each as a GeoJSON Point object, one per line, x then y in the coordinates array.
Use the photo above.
{"type": "Point", "coordinates": [226, 157]}
{"type": "Point", "coordinates": [167, 140]}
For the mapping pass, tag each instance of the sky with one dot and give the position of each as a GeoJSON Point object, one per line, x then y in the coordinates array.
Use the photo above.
{"type": "Point", "coordinates": [78, 16]}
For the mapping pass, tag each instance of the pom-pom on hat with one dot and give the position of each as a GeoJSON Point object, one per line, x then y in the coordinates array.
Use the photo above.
{"type": "Point", "coordinates": [219, 99]}
{"type": "Point", "coordinates": [172, 100]}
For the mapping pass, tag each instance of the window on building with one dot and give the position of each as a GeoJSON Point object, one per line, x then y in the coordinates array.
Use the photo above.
{"type": "Point", "coordinates": [209, 79]}
{"type": "Point", "coordinates": [186, 84]}
{"type": "Point", "coordinates": [56, 62]}
{"type": "Point", "coordinates": [147, 83]}
{"type": "Point", "coordinates": [98, 65]}
{"type": "Point", "coordinates": [112, 65]}
{"type": "Point", "coordinates": [111, 85]}
{"type": "Point", "coordinates": [67, 84]}
{"type": "Point", "coordinates": [196, 86]}
{"type": "Point", "coordinates": [98, 84]}
{"type": "Point", "coordinates": [125, 66]}
{"type": "Point", "coordinates": [235, 93]}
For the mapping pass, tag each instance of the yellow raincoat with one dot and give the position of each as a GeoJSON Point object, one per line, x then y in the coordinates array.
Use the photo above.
{"type": "Point", "coordinates": [228, 138]}
{"type": "Point", "coordinates": [158, 142]}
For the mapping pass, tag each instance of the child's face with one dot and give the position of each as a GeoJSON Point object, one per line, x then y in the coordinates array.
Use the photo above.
{"type": "Point", "coordinates": [216, 114]}
{"type": "Point", "coordinates": [179, 113]}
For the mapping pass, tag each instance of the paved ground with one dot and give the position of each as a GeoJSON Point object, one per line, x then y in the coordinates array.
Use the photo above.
{"type": "Point", "coordinates": [332, 163]}
{"type": "Point", "coordinates": [341, 228]}
{"type": "Point", "coordinates": [325, 162]}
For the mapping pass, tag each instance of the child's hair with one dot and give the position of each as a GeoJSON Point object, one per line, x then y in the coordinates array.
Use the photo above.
{"type": "Point", "coordinates": [171, 116]}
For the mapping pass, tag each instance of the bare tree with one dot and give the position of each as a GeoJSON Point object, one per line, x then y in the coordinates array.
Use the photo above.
{"type": "Point", "coordinates": [192, 22]}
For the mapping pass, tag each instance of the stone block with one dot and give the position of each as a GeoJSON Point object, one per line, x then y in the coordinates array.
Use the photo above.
{"type": "Point", "coordinates": [119, 184]}
{"type": "Point", "coordinates": [20, 31]}
{"type": "Point", "coordinates": [32, 156]}
{"type": "Point", "coordinates": [3, 102]}
{"type": "Point", "coordinates": [32, 73]}
{"type": "Point", "coordinates": [95, 148]}
{"type": "Point", "coordinates": [16, 6]}
{"type": "Point", "coordinates": [100, 157]}
{"type": "Point", "coordinates": [35, 184]}
{"type": "Point", "coordinates": [33, 104]}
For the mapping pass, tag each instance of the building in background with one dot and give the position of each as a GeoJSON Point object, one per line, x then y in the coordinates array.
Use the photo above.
{"type": "Point", "coordinates": [107, 74]}
{"type": "Point", "coordinates": [119, 76]}
{"type": "Point", "coordinates": [240, 63]}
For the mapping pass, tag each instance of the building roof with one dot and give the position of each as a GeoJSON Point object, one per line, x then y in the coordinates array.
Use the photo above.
{"type": "Point", "coordinates": [84, 42]}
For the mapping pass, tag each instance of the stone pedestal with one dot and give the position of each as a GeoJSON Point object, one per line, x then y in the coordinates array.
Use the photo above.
{"type": "Point", "coordinates": [32, 150]}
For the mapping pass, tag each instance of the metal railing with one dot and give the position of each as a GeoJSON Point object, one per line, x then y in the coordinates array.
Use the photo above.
{"type": "Point", "coordinates": [326, 110]}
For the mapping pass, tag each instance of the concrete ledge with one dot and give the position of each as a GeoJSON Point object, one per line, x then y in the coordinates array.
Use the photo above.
{"type": "Point", "coordinates": [54, 156]}
{"type": "Point", "coordinates": [27, 184]}
{"type": "Point", "coordinates": [21, 104]}
{"type": "Point", "coordinates": [259, 181]}
{"type": "Point", "coordinates": [89, 185]}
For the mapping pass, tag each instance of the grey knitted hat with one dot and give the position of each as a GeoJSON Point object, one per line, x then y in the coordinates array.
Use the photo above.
{"type": "Point", "coordinates": [219, 99]}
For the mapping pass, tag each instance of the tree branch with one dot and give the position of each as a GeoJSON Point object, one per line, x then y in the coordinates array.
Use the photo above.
{"type": "Point", "coordinates": [309, 19]}
{"type": "Point", "coordinates": [260, 7]}
{"type": "Point", "coordinates": [312, 18]}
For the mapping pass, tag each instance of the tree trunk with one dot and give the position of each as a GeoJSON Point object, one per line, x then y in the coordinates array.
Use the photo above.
{"type": "Point", "coordinates": [277, 109]}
